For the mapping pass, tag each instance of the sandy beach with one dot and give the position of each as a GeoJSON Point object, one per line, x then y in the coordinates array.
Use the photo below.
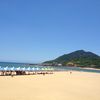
{"type": "Point", "coordinates": [57, 86]}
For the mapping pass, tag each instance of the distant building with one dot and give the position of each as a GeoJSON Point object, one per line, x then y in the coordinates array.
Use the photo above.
{"type": "Point", "coordinates": [59, 64]}
{"type": "Point", "coordinates": [70, 64]}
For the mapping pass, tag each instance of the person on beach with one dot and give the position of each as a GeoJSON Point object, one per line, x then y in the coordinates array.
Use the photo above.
{"type": "Point", "coordinates": [43, 74]}
{"type": "Point", "coordinates": [70, 72]}
{"type": "Point", "coordinates": [12, 75]}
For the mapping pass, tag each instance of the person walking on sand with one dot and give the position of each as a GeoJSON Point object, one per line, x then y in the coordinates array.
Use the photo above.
{"type": "Point", "coordinates": [12, 74]}
{"type": "Point", "coordinates": [70, 72]}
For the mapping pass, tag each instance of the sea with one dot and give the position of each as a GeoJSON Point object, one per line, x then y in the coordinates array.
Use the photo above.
{"type": "Point", "coordinates": [55, 68]}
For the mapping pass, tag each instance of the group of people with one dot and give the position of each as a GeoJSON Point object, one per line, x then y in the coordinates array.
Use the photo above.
{"type": "Point", "coordinates": [13, 73]}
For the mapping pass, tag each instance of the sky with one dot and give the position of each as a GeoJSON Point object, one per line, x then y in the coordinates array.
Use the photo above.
{"type": "Point", "coordinates": [40, 30]}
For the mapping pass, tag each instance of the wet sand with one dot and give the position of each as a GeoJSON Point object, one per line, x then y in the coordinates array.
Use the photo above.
{"type": "Point", "coordinates": [57, 86]}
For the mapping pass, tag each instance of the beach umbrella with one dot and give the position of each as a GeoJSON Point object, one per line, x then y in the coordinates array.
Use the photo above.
{"type": "Point", "coordinates": [0, 68]}
{"type": "Point", "coordinates": [23, 68]}
{"type": "Point", "coordinates": [43, 68]}
{"type": "Point", "coordinates": [18, 68]}
{"type": "Point", "coordinates": [48, 68]}
{"type": "Point", "coordinates": [28, 68]}
{"type": "Point", "coordinates": [12, 68]}
{"type": "Point", "coordinates": [6, 68]}
{"type": "Point", "coordinates": [52, 69]}
{"type": "Point", "coordinates": [33, 68]}
{"type": "Point", "coordinates": [37, 68]}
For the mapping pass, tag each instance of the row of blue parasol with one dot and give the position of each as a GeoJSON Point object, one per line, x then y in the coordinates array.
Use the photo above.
{"type": "Point", "coordinates": [26, 68]}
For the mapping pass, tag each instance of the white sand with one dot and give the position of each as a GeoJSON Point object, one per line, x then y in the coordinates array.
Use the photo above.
{"type": "Point", "coordinates": [57, 86]}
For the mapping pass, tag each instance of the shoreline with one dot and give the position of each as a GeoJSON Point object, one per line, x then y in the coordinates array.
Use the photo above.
{"type": "Point", "coordinates": [91, 68]}
{"type": "Point", "coordinates": [17, 73]}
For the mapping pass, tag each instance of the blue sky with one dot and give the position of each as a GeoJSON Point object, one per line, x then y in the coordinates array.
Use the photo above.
{"type": "Point", "coordinates": [40, 30]}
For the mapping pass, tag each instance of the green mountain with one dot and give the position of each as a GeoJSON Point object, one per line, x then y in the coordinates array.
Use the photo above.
{"type": "Point", "coordinates": [79, 58]}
